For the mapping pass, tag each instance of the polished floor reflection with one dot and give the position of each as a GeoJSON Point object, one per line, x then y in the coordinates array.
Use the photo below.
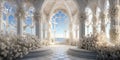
{"type": "Point", "coordinates": [59, 53]}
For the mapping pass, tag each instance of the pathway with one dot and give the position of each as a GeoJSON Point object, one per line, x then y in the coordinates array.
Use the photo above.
{"type": "Point", "coordinates": [59, 53]}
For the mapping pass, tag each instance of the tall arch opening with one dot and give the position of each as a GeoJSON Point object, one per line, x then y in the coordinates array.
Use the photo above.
{"type": "Point", "coordinates": [60, 26]}
{"type": "Point", "coordinates": [62, 20]}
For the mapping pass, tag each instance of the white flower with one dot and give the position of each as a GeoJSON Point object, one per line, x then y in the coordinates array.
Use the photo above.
{"type": "Point", "coordinates": [17, 46]}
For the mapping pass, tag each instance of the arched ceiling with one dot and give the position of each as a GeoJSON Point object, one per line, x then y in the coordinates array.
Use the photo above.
{"type": "Point", "coordinates": [70, 7]}
{"type": "Point", "coordinates": [55, 5]}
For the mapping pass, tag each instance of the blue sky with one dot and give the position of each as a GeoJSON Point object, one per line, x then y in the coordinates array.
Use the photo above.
{"type": "Point", "coordinates": [62, 22]}
{"type": "Point", "coordinates": [8, 9]}
{"type": "Point", "coordinates": [60, 18]}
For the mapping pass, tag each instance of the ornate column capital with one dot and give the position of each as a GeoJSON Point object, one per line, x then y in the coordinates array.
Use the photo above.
{"type": "Point", "coordinates": [37, 15]}
{"type": "Point", "coordinates": [82, 16]}
{"type": "Point", "coordinates": [20, 13]}
{"type": "Point", "coordinates": [103, 17]}
{"type": "Point", "coordinates": [114, 11]}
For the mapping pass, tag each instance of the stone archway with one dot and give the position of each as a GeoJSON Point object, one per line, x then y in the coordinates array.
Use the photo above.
{"type": "Point", "coordinates": [60, 22]}
{"type": "Point", "coordinates": [70, 7]}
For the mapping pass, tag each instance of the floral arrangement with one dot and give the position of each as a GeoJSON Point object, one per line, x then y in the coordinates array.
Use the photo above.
{"type": "Point", "coordinates": [88, 43]}
{"type": "Point", "coordinates": [106, 50]}
{"type": "Point", "coordinates": [114, 11]}
{"type": "Point", "coordinates": [115, 34]}
{"type": "Point", "coordinates": [13, 46]}
{"type": "Point", "coordinates": [45, 42]}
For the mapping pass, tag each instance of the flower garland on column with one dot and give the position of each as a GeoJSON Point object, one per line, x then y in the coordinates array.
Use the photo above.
{"type": "Point", "coordinates": [0, 14]}
{"type": "Point", "coordinates": [103, 27]}
{"type": "Point", "coordinates": [94, 24]}
{"type": "Point", "coordinates": [115, 29]}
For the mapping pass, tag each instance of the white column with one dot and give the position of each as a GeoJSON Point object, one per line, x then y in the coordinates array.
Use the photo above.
{"type": "Point", "coordinates": [46, 35]}
{"type": "Point", "coordinates": [114, 13]}
{"type": "Point", "coordinates": [65, 34]}
{"type": "Point", "coordinates": [49, 31]}
{"type": "Point", "coordinates": [103, 25]}
{"type": "Point", "coordinates": [41, 24]}
{"type": "Point", "coordinates": [43, 28]}
{"type": "Point", "coordinates": [70, 31]}
{"type": "Point", "coordinates": [19, 27]}
{"type": "Point", "coordinates": [76, 33]}
{"type": "Point", "coordinates": [115, 16]}
{"type": "Point", "coordinates": [0, 24]}
{"type": "Point", "coordinates": [20, 18]}
{"type": "Point", "coordinates": [82, 24]}
{"type": "Point", "coordinates": [54, 30]}
{"type": "Point", "coordinates": [46, 31]}
{"type": "Point", "coordinates": [0, 16]}
{"type": "Point", "coordinates": [103, 14]}
{"type": "Point", "coordinates": [94, 23]}
{"type": "Point", "coordinates": [37, 24]}
{"type": "Point", "coordinates": [32, 26]}
{"type": "Point", "coordinates": [7, 22]}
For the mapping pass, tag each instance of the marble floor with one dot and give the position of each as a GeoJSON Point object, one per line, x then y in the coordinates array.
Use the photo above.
{"type": "Point", "coordinates": [59, 53]}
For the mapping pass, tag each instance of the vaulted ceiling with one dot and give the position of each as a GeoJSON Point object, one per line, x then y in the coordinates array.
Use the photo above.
{"type": "Point", "coordinates": [49, 7]}
{"type": "Point", "coordinates": [67, 6]}
{"type": "Point", "coordinates": [71, 7]}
